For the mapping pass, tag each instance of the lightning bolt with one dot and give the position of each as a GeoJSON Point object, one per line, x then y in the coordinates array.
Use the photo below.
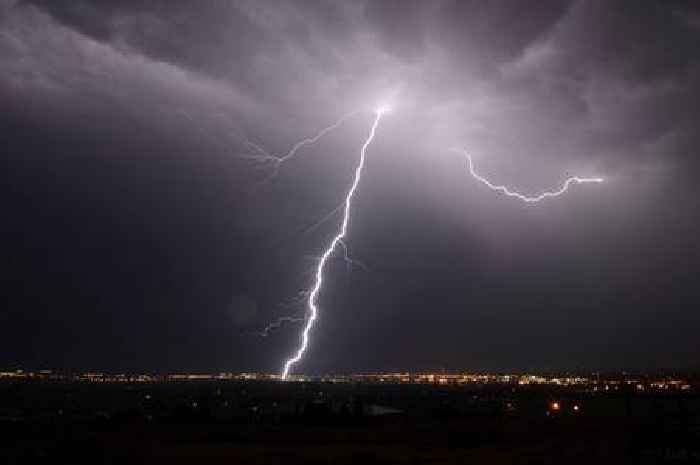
{"type": "Point", "coordinates": [351, 262]}
{"type": "Point", "coordinates": [337, 240]}
{"type": "Point", "coordinates": [314, 139]}
{"type": "Point", "coordinates": [278, 324]}
{"type": "Point", "coordinates": [526, 198]}
{"type": "Point", "coordinates": [277, 161]}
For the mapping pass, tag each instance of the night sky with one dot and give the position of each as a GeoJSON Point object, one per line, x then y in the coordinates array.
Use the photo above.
{"type": "Point", "coordinates": [138, 234]}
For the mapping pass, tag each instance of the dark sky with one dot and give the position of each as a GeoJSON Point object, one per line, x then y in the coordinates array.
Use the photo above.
{"type": "Point", "coordinates": [137, 235]}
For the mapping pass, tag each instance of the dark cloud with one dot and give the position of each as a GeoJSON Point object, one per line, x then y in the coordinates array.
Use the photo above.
{"type": "Point", "coordinates": [134, 216]}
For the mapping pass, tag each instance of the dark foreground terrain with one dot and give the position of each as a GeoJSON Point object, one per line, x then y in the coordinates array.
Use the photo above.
{"type": "Point", "coordinates": [320, 423]}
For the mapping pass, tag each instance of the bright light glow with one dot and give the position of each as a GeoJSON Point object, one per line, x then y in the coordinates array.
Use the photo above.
{"type": "Point", "coordinates": [383, 108]}
{"type": "Point", "coordinates": [337, 240]}
{"type": "Point", "coordinates": [526, 198]}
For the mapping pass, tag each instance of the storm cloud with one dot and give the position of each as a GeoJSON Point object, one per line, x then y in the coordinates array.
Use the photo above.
{"type": "Point", "coordinates": [135, 214]}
